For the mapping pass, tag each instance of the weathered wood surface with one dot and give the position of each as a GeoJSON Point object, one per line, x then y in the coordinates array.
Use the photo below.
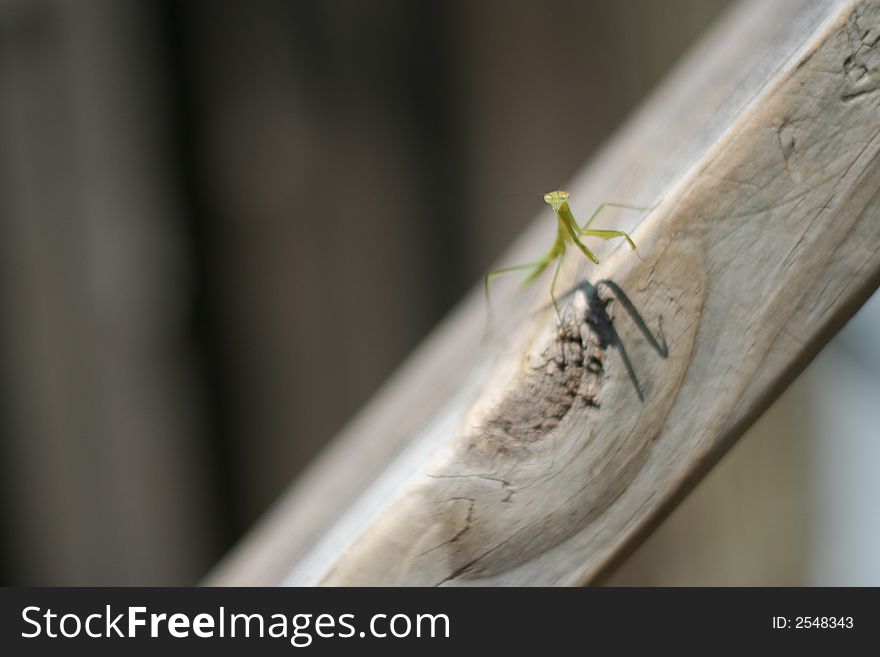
{"type": "Point", "coordinates": [546, 454]}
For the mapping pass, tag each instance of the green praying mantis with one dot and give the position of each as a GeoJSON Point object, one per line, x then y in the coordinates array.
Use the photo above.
{"type": "Point", "coordinates": [568, 231]}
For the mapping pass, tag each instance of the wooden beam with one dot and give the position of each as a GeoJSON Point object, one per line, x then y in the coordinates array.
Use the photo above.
{"type": "Point", "coordinates": [545, 454]}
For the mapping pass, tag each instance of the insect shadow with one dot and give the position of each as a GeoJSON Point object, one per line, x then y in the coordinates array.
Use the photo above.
{"type": "Point", "coordinates": [597, 317]}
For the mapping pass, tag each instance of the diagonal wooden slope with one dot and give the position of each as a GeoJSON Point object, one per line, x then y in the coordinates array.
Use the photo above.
{"type": "Point", "coordinates": [544, 455]}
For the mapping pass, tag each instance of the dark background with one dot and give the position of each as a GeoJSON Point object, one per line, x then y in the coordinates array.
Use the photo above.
{"type": "Point", "coordinates": [223, 224]}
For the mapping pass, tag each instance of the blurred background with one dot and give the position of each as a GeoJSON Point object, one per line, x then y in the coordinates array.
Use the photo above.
{"type": "Point", "coordinates": [223, 224]}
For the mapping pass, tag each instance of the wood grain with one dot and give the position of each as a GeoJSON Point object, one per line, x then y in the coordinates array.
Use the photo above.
{"type": "Point", "coordinates": [543, 456]}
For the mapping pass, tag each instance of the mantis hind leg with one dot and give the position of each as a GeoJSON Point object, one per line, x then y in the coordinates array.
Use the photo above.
{"type": "Point", "coordinates": [537, 267]}
{"type": "Point", "coordinates": [608, 234]}
{"type": "Point", "coordinates": [553, 289]}
{"type": "Point", "coordinates": [614, 205]}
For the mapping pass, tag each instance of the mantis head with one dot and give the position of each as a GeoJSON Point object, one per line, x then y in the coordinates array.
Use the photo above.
{"type": "Point", "coordinates": [556, 199]}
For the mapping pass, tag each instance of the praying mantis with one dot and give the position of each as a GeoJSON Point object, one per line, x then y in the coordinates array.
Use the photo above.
{"type": "Point", "coordinates": [568, 231]}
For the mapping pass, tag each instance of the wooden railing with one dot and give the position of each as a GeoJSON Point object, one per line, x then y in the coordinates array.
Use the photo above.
{"type": "Point", "coordinates": [545, 453]}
